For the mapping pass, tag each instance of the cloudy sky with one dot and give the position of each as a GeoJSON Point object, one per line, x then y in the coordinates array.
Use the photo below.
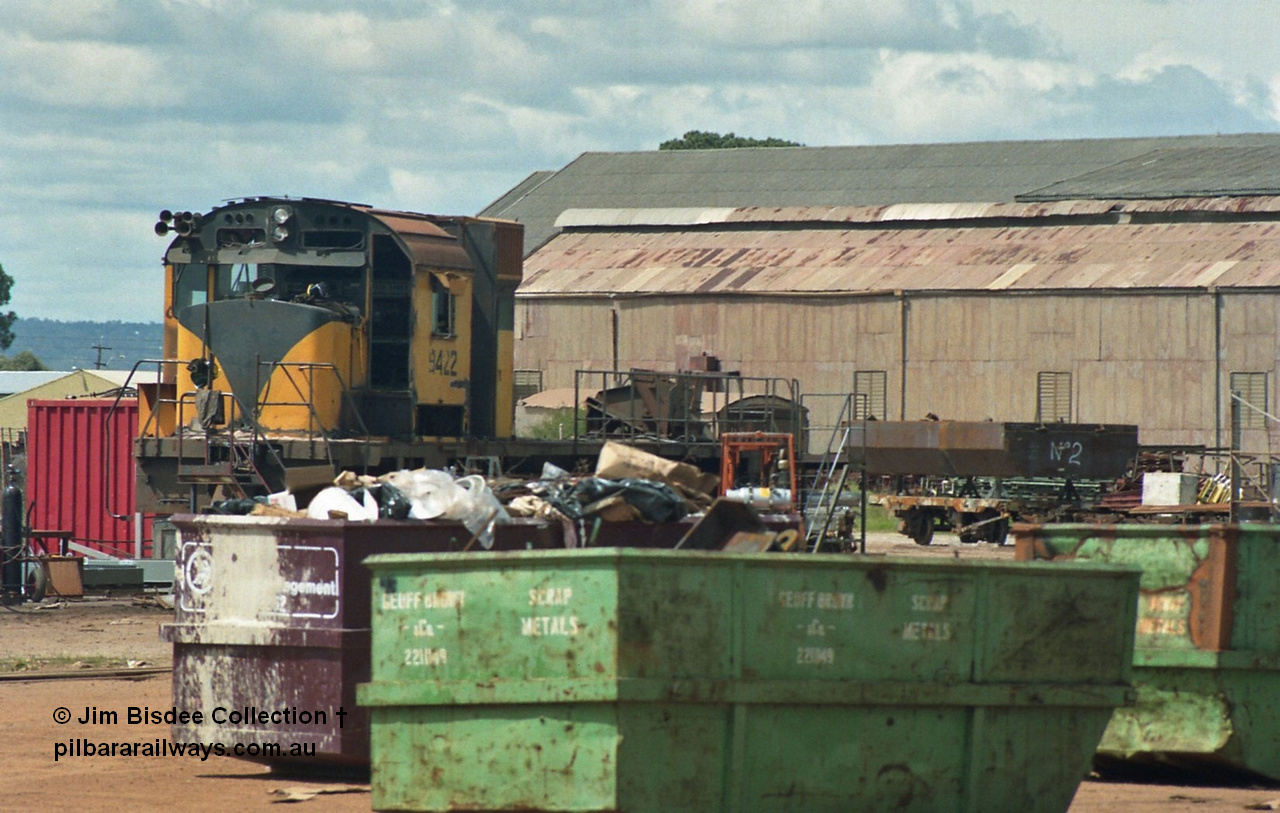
{"type": "Point", "coordinates": [111, 110]}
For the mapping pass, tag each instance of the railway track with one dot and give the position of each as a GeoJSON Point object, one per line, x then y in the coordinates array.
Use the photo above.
{"type": "Point", "coordinates": [88, 674]}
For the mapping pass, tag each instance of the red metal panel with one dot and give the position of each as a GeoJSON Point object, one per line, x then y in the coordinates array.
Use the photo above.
{"type": "Point", "coordinates": [80, 472]}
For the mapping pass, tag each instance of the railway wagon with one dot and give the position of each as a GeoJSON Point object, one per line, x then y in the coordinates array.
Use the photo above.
{"type": "Point", "coordinates": [977, 477]}
{"type": "Point", "coordinates": [303, 331]}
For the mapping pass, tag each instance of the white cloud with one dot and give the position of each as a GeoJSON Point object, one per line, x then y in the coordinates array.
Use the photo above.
{"type": "Point", "coordinates": [762, 23]}
{"type": "Point", "coordinates": [903, 24]}
{"type": "Point", "coordinates": [70, 18]}
{"type": "Point", "coordinates": [343, 42]}
{"type": "Point", "coordinates": [926, 97]}
{"type": "Point", "coordinates": [80, 74]}
{"type": "Point", "coordinates": [407, 185]}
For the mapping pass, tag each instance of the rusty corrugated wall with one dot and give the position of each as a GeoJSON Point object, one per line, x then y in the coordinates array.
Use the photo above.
{"type": "Point", "coordinates": [1148, 318]}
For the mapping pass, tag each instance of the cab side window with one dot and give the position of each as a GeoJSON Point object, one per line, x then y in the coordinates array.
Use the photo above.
{"type": "Point", "coordinates": [190, 285]}
{"type": "Point", "coordinates": [443, 309]}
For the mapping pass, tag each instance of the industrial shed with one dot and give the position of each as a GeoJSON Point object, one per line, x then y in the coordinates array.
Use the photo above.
{"type": "Point", "coordinates": [879, 175]}
{"type": "Point", "coordinates": [1147, 305]}
{"type": "Point", "coordinates": [20, 387]}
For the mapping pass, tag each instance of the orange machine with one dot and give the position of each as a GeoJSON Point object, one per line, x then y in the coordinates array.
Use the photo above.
{"type": "Point", "coordinates": [763, 462]}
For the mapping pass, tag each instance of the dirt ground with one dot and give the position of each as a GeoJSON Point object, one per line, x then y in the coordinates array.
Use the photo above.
{"type": "Point", "coordinates": [41, 648]}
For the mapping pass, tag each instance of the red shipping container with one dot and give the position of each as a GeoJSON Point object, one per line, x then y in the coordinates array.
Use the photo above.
{"type": "Point", "coordinates": [80, 475]}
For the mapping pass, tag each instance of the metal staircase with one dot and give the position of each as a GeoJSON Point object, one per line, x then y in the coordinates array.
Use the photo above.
{"type": "Point", "coordinates": [832, 475]}
{"type": "Point", "coordinates": [233, 447]}
{"type": "Point", "coordinates": [230, 460]}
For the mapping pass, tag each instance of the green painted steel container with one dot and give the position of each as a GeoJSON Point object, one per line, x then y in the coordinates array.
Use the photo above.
{"type": "Point", "coordinates": [629, 680]}
{"type": "Point", "coordinates": [1207, 654]}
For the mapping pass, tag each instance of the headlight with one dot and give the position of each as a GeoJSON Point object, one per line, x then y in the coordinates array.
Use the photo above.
{"type": "Point", "coordinates": [280, 234]}
{"type": "Point", "coordinates": [281, 214]}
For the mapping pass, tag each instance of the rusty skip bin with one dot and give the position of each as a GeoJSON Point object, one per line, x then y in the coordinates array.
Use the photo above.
{"type": "Point", "coordinates": [655, 681]}
{"type": "Point", "coordinates": [1188, 587]}
{"type": "Point", "coordinates": [271, 622]}
{"type": "Point", "coordinates": [1207, 653]}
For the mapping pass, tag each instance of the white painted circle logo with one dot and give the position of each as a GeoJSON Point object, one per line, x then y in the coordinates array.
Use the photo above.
{"type": "Point", "coordinates": [199, 571]}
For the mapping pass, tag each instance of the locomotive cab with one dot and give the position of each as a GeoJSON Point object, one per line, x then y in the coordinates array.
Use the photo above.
{"type": "Point", "coordinates": [301, 316]}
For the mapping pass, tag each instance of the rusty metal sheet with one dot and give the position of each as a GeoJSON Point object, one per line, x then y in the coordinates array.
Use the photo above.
{"type": "Point", "coordinates": [899, 447]}
{"type": "Point", "coordinates": [977, 449]}
{"type": "Point", "coordinates": [992, 449]}
{"type": "Point", "coordinates": [1189, 582]}
{"type": "Point", "coordinates": [904, 212]}
{"type": "Point", "coordinates": [956, 256]}
{"type": "Point", "coordinates": [435, 252]}
{"type": "Point", "coordinates": [1207, 640]}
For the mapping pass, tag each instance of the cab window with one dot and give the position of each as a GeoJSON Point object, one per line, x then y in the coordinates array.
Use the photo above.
{"type": "Point", "coordinates": [190, 285]}
{"type": "Point", "coordinates": [443, 310]}
{"type": "Point", "coordinates": [233, 280]}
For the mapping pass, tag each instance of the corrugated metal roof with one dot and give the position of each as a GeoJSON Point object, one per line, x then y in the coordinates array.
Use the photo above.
{"type": "Point", "coordinates": [825, 176]}
{"type": "Point", "coordinates": [793, 257]}
{"type": "Point", "coordinates": [577, 218]}
{"type": "Point", "coordinates": [55, 384]}
{"type": "Point", "coordinates": [12, 381]}
{"type": "Point", "coordinates": [120, 377]}
{"type": "Point", "coordinates": [573, 219]}
{"type": "Point", "coordinates": [520, 190]}
{"type": "Point", "coordinates": [1176, 173]}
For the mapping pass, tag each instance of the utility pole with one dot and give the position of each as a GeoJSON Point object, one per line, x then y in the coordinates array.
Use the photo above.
{"type": "Point", "coordinates": [99, 363]}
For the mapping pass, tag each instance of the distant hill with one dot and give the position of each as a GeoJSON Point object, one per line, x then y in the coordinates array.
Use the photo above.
{"type": "Point", "coordinates": [71, 345]}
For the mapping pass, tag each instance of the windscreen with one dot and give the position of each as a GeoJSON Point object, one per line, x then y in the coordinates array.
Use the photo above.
{"type": "Point", "coordinates": [278, 281]}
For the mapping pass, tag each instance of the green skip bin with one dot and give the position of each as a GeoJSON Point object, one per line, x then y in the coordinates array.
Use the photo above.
{"type": "Point", "coordinates": [634, 680]}
{"type": "Point", "coordinates": [1207, 654]}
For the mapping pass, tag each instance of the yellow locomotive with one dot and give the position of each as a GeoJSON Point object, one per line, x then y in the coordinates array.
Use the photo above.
{"type": "Point", "coordinates": [295, 326]}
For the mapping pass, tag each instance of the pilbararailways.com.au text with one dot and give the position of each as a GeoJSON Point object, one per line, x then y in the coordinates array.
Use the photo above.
{"type": "Point", "coordinates": [83, 748]}
{"type": "Point", "coordinates": [234, 719]}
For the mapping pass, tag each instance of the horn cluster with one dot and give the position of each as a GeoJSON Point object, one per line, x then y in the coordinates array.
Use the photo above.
{"type": "Point", "coordinates": [184, 223]}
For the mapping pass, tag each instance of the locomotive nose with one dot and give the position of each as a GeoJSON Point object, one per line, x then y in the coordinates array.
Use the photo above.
{"type": "Point", "coordinates": [251, 337]}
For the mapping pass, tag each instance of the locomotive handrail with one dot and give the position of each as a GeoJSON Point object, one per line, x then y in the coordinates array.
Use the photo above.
{"type": "Point", "coordinates": [238, 415]}
{"type": "Point", "coordinates": [106, 432]}
{"type": "Point", "coordinates": [314, 424]}
{"type": "Point", "coordinates": [308, 399]}
{"type": "Point", "coordinates": [256, 435]}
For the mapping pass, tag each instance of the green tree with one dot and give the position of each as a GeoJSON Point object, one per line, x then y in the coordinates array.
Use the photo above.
{"type": "Point", "coordinates": [26, 360]}
{"type": "Point", "coordinates": [698, 140]}
{"type": "Point", "coordinates": [6, 319]}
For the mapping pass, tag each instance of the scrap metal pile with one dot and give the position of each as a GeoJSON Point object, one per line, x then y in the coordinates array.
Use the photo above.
{"type": "Point", "coordinates": [628, 486]}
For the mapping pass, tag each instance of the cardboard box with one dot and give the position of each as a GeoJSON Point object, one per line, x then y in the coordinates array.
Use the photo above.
{"type": "Point", "coordinates": [66, 576]}
{"type": "Point", "coordinates": [618, 461]}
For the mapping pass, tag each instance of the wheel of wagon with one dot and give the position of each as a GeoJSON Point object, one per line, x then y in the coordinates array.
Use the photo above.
{"type": "Point", "coordinates": [968, 537]}
{"type": "Point", "coordinates": [919, 526]}
{"type": "Point", "coordinates": [998, 531]}
{"type": "Point", "coordinates": [37, 583]}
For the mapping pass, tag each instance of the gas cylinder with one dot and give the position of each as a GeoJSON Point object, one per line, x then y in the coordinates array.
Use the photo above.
{"type": "Point", "coordinates": [11, 535]}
